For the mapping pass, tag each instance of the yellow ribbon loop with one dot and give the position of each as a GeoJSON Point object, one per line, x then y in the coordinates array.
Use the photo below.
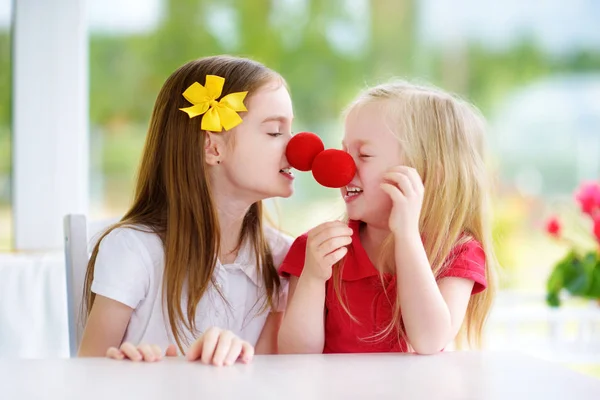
{"type": "Point", "coordinates": [218, 115]}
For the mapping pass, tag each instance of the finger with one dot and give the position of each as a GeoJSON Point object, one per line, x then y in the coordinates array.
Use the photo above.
{"type": "Point", "coordinates": [401, 181]}
{"type": "Point", "coordinates": [158, 354]}
{"type": "Point", "coordinates": [402, 168]}
{"type": "Point", "coordinates": [131, 352]}
{"type": "Point", "coordinates": [336, 256]}
{"type": "Point", "coordinates": [211, 340]}
{"type": "Point", "coordinates": [222, 348]}
{"type": "Point", "coordinates": [333, 232]}
{"type": "Point", "coordinates": [393, 191]}
{"type": "Point", "coordinates": [195, 350]}
{"type": "Point", "coordinates": [235, 351]}
{"type": "Point", "coordinates": [412, 174]}
{"type": "Point", "coordinates": [416, 180]}
{"type": "Point", "coordinates": [114, 353]}
{"type": "Point", "coordinates": [324, 226]}
{"type": "Point", "coordinates": [247, 352]}
{"type": "Point", "coordinates": [333, 244]}
{"type": "Point", "coordinates": [171, 351]}
{"type": "Point", "coordinates": [147, 352]}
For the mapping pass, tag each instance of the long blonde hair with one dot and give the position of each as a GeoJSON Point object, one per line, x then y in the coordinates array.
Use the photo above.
{"type": "Point", "coordinates": [442, 137]}
{"type": "Point", "coordinates": [173, 194]}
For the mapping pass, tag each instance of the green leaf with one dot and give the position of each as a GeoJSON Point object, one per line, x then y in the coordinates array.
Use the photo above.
{"type": "Point", "coordinates": [555, 281]}
{"type": "Point", "coordinates": [552, 299]}
{"type": "Point", "coordinates": [577, 273]}
{"type": "Point", "coordinates": [594, 289]}
{"type": "Point", "coordinates": [560, 273]}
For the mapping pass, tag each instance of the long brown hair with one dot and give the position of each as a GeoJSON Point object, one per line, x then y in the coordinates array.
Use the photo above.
{"type": "Point", "coordinates": [442, 137]}
{"type": "Point", "coordinates": [173, 195]}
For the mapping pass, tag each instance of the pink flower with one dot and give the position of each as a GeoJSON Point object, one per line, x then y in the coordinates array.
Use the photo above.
{"type": "Point", "coordinates": [597, 227]}
{"type": "Point", "coordinates": [588, 197]}
{"type": "Point", "coordinates": [553, 227]}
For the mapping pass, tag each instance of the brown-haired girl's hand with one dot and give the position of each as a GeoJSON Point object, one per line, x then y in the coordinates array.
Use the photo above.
{"type": "Point", "coordinates": [325, 246]}
{"type": "Point", "coordinates": [220, 347]}
{"type": "Point", "coordinates": [143, 352]}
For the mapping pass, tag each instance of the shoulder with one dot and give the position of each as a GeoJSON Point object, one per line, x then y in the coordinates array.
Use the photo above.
{"type": "Point", "coordinates": [467, 260]}
{"type": "Point", "coordinates": [293, 263]}
{"type": "Point", "coordinates": [278, 242]}
{"type": "Point", "coordinates": [132, 241]}
{"type": "Point", "coordinates": [468, 249]}
{"type": "Point", "coordinates": [126, 263]}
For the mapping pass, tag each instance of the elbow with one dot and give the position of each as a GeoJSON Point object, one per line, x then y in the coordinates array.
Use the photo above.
{"type": "Point", "coordinates": [84, 352]}
{"type": "Point", "coordinates": [427, 349]}
{"type": "Point", "coordinates": [291, 344]}
{"type": "Point", "coordinates": [431, 344]}
{"type": "Point", "coordinates": [287, 347]}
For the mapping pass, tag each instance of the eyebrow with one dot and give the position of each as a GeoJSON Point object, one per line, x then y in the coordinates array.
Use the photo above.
{"type": "Point", "coordinates": [360, 143]}
{"type": "Point", "coordinates": [278, 118]}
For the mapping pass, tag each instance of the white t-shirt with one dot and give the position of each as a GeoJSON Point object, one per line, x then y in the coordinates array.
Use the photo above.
{"type": "Point", "coordinates": [129, 269]}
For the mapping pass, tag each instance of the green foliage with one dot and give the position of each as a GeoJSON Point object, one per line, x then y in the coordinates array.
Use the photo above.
{"type": "Point", "coordinates": [578, 274]}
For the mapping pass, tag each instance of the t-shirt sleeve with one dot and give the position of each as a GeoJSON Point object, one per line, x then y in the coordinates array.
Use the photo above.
{"type": "Point", "coordinates": [293, 263]}
{"type": "Point", "coordinates": [280, 245]}
{"type": "Point", "coordinates": [468, 263]}
{"type": "Point", "coordinates": [120, 272]}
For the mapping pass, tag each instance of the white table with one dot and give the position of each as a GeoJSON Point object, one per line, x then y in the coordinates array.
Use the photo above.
{"type": "Point", "coordinates": [452, 375]}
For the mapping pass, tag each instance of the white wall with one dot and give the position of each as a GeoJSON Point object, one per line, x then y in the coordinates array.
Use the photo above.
{"type": "Point", "coordinates": [50, 119]}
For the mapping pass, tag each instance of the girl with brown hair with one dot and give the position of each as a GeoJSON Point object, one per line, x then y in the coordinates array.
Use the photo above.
{"type": "Point", "coordinates": [191, 262]}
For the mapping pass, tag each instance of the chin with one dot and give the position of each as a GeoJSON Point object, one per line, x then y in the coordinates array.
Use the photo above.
{"type": "Point", "coordinates": [288, 192]}
{"type": "Point", "coordinates": [378, 221]}
{"type": "Point", "coordinates": [280, 192]}
{"type": "Point", "coordinates": [353, 214]}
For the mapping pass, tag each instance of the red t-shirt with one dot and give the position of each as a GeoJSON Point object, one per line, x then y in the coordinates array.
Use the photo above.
{"type": "Point", "coordinates": [365, 297]}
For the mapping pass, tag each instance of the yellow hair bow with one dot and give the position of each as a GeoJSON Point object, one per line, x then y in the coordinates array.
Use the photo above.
{"type": "Point", "coordinates": [218, 114]}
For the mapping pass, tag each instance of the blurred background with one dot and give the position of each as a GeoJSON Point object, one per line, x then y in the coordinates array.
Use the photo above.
{"type": "Point", "coordinates": [533, 68]}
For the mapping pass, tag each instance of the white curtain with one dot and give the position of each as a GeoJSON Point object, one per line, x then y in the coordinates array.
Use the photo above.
{"type": "Point", "coordinates": [33, 306]}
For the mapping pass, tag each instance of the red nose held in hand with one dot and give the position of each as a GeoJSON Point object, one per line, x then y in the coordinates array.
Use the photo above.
{"type": "Point", "coordinates": [330, 168]}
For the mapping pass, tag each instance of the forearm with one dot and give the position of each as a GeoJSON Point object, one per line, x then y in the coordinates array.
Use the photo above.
{"type": "Point", "coordinates": [105, 327]}
{"type": "Point", "coordinates": [425, 314]}
{"type": "Point", "coordinates": [267, 342]}
{"type": "Point", "coordinates": [303, 328]}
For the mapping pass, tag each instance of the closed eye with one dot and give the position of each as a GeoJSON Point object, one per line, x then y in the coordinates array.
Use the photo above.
{"type": "Point", "coordinates": [365, 155]}
{"type": "Point", "coordinates": [275, 134]}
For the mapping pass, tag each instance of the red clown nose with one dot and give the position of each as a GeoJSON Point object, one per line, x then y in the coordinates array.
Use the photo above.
{"type": "Point", "coordinates": [302, 150]}
{"type": "Point", "coordinates": [331, 168]}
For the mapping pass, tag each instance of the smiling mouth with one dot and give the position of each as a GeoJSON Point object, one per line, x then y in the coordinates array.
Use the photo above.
{"type": "Point", "coordinates": [352, 191]}
{"type": "Point", "coordinates": [287, 172]}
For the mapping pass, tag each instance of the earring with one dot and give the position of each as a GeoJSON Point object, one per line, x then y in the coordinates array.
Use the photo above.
{"type": "Point", "coordinates": [218, 161]}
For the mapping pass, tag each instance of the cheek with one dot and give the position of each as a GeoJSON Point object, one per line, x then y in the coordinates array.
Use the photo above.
{"type": "Point", "coordinates": [257, 163]}
{"type": "Point", "coordinates": [370, 175]}
{"type": "Point", "coordinates": [242, 163]}
{"type": "Point", "coordinates": [267, 149]}
{"type": "Point", "coordinates": [371, 179]}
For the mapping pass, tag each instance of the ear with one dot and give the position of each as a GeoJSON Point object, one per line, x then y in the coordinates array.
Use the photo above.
{"type": "Point", "coordinates": [214, 148]}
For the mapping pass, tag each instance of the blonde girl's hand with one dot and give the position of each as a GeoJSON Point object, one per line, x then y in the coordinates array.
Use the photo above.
{"type": "Point", "coordinates": [325, 246]}
{"type": "Point", "coordinates": [405, 188]}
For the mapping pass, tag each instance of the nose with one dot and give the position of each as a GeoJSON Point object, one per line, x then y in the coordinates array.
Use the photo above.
{"type": "Point", "coordinates": [302, 149]}
{"type": "Point", "coordinates": [354, 157]}
{"type": "Point", "coordinates": [334, 168]}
